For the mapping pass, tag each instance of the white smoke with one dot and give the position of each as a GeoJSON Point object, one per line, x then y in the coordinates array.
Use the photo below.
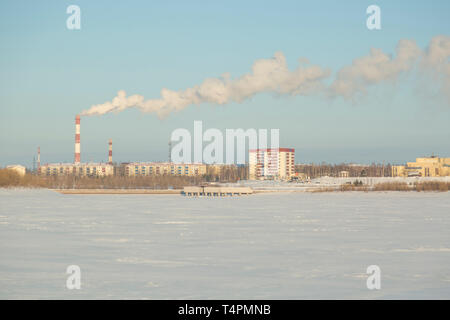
{"type": "Point", "coordinates": [379, 67]}
{"type": "Point", "coordinates": [436, 61]}
{"type": "Point", "coordinates": [438, 52]}
{"type": "Point", "coordinates": [268, 75]}
{"type": "Point", "coordinates": [374, 68]}
{"type": "Point", "coordinates": [273, 75]}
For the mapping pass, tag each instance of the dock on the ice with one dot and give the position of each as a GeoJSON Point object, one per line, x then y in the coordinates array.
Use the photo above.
{"type": "Point", "coordinates": [216, 191]}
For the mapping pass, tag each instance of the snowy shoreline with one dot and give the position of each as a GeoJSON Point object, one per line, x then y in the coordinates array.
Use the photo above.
{"type": "Point", "coordinates": [322, 184]}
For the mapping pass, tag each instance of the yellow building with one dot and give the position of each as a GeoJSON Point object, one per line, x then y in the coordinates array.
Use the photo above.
{"type": "Point", "coordinates": [21, 170]}
{"type": "Point", "coordinates": [163, 168]}
{"type": "Point", "coordinates": [344, 174]}
{"type": "Point", "coordinates": [79, 169]}
{"type": "Point", "coordinates": [424, 167]}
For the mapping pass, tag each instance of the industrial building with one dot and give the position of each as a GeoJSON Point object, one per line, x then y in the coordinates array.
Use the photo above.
{"type": "Point", "coordinates": [423, 167]}
{"type": "Point", "coordinates": [106, 169]}
{"type": "Point", "coordinates": [275, 163]}
{"type": "Point", "coordinates": [77, 168]}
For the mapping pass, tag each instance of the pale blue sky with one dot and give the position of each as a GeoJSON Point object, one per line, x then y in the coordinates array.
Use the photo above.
{"type": "Point", "coordinates": [50, 73]}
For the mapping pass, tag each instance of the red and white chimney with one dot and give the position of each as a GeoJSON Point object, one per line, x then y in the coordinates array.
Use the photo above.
{"type": "Point", "coordinates": [39, 160]}
{"type": "Point", "coordinates": [110, 152]}
{"type": "Point", "coordinates": [77, 139]}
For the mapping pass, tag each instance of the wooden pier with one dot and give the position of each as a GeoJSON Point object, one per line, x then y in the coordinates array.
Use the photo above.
{"type": "Point", "coordinates": [216, 191]}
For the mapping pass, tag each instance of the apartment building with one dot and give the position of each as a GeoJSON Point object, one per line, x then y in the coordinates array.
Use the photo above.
{"type": "Point", "coordinates": [79, 169]}
{"type": "Point", "coordinates": [272, 163]}
{"type": "Point", "coordinates": [163, 168]}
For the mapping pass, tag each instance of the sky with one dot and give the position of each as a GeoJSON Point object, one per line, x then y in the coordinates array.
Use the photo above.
{"type": "Point", "coordinates": [50, 73]}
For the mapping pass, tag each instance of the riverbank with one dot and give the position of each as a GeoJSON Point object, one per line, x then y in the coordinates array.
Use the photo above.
{"type": "Point", "coordinates": [116, 191]}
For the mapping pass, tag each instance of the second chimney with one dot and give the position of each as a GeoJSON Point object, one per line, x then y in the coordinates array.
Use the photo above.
{"type": "Point", "coordinates": [110, 152]}
{"type": "Point", "coordinates": [77, 139]}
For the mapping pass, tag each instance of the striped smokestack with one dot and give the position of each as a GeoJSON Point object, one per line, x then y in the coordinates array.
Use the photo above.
{"type": "Point", "coordinates": [110, 152]}
{"type": "Point", "coordinates": [77, 139]}
{"type": "Point", "coordinates": [39, 160]}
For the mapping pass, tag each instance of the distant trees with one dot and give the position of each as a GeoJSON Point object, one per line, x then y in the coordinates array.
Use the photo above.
{"type": "Point", "coordinates": [226, 173]}
{"type": "Point", "coordinates": [10, 178]}
{"type": "Point", "coordinates": [332, 170]}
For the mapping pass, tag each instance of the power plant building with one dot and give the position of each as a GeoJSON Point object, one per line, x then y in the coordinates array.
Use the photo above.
{"type": "Point", "coordinates": [78, 168]}
{"type": "Point", "coordinates": [275, 163]}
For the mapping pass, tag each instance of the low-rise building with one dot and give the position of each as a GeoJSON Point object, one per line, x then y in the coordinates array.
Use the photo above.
{"type": "Point", "coordinates": [300, 176]}
{"type": "Point", "coordinates": [424, 167]}
{"type": "Point", "coordinates": [21, 170]}
{"type": "Point", "coordinates": [344, 174]}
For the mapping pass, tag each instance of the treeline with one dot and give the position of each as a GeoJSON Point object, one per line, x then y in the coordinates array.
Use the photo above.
{"type": "Point", "coordinates": [10, 178]}
{"type": "Point", "coordinates": [418, 186]}
{"type": "Point", "coordinates": [441, 186]}
{"type": "Point", "coordinates": [227, 173]}
{"type": "Point", "coordinates": [332, 170]}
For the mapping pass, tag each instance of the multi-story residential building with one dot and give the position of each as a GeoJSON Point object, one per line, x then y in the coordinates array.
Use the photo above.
{"type": "Point", "coordinates": [79, 169]}
{"type": "Point", "coordinates": [163, 168]}
{"type": "Point", "coordinates": [272, 163]}
{"type": "Point", "coordinates": [424, 167]}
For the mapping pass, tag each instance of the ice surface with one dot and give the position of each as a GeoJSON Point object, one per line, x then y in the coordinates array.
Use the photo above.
{"type": "Point", "coordinates": [274, 246]}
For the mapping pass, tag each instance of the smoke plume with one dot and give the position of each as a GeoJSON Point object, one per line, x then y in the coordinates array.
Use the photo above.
{"type": "Point", "coordinates": [436, 61]}
{"type": "Point", "coordinates": [379, 67]}
{"type": "Point", "coordinates": [374, 68]}
{"type": "Point", "coordinates": [273, 75]}
{"type": "Point", "coordinates": [268, 75]}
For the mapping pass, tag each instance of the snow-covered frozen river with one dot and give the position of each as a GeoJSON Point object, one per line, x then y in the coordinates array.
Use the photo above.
{"type": "Point", "coordinates": [274, 246]}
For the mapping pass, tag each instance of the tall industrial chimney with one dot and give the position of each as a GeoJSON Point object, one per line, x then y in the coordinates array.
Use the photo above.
{"type": "Point", "coordinates": [110, 152]}
{"type": "Point", "coordinates": [77, 139]}
{"type": "Point", "coordinates": [39, 160]}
